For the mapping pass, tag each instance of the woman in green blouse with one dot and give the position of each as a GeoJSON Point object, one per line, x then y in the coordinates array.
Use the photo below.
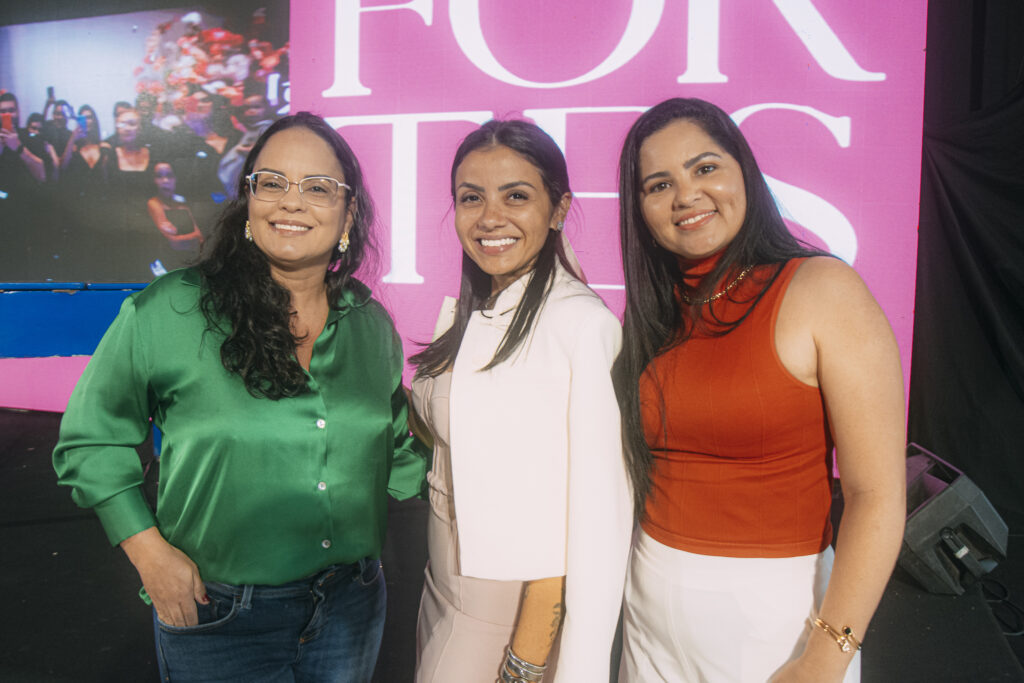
{"type": "Point", "coordinates": [276, 381]}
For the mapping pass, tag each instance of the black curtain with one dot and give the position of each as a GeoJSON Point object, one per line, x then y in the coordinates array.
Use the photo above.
{"type": "Point", "coordinates": [967, 377]}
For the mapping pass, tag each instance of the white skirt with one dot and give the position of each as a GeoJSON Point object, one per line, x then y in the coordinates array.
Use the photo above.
{"type": "Point", "coordinates": [700, 618]}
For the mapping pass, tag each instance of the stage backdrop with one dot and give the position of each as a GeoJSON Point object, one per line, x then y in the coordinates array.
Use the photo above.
{"type": "Point", "coordinates": [829, 94]}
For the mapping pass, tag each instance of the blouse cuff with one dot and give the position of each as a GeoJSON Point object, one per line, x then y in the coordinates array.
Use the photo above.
{"type": "Point", "coordinates": [125, 514]}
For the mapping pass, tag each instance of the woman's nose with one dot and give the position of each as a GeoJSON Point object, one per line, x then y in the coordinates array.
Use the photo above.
{"type": "Point", "coordinates": [687, 194]}
{"type": "Point", "coordinates": [292, 198]}
{"type": "Point", "coordinates": [492, 216]}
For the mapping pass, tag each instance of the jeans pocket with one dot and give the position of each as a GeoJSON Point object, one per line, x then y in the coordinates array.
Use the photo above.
{"type": "Point", "coordinates": [220, 611]}
{"type": "Point", "coordinates": [370, 569]}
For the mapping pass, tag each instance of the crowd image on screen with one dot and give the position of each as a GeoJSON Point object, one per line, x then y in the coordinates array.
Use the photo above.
{"type": "Point", "coordinates": [124, 205]}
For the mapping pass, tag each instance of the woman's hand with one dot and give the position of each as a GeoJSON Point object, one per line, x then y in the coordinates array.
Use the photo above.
{"type": "Point", "coordinates": [171, 579]}
{"type": "Point", "coordinates": [795, 672]}
{"type": "Point", "coordinates": [10, 140]}
{"type": "Point", "coordinates": [825, 664]}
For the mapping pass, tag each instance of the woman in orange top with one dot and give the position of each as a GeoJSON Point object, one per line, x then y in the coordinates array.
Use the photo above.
{"type": "Point", "coordinates": [746, 357]}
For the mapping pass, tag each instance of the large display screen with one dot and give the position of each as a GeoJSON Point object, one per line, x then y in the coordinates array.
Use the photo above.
{"type": "Point", "coordinates": [131, 129]}
{"type": "Point", "coordinates": [829, 94]}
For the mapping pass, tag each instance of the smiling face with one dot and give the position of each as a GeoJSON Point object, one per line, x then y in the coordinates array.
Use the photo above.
{"type": "Point", "coordinates": [503, 212]}
{"type": "Point", "coordinates": [291, 232]}
{"type": "Point", "coordinates": [692, 194]}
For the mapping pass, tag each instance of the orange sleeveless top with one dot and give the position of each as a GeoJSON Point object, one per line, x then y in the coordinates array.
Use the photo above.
{"type": "Point", "coordinates": [742, 449]}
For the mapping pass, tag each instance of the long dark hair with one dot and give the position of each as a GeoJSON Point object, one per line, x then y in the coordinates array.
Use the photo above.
{"type": "Point", "coordinates": [654, 320]}
{"type": "Point", "coordinates": [241, 300]}
{"type": "Point", "coordinates": [533, 144]}
{"type": "Point", "coordinates": [95, 136]}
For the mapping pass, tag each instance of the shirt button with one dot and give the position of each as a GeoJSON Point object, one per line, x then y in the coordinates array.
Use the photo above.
{"type": "Point", "coordinates": [326, 543]}
{"type": "Point", "coordinates": [322, 486]}
{"type": "Point", "coordinates": [321, 423]}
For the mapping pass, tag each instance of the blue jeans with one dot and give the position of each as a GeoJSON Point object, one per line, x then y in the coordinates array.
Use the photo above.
{"type": "Point", "coordinates": [326, 627]}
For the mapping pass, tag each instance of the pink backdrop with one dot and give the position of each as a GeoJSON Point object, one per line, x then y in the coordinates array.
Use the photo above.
{"type": "Point", "coordinates": [829, 94]}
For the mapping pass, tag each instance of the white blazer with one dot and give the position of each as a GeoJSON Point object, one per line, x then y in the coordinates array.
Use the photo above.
{"type": "Point", "coordinates": [540, 483]}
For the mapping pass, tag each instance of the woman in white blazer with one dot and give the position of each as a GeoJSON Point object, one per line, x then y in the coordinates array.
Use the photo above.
{"type": "Point", "coordinates": [531, 513]}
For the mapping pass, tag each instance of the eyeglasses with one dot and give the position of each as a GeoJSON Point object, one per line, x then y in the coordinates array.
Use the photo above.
{"type": "Point", "coordinates": [268, 186]}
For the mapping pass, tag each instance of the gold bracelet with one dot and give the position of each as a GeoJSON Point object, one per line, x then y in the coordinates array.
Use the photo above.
{"type": "Point", "coordinates": [845, 639]}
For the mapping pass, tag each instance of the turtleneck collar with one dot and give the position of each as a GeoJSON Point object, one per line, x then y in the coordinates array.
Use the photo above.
{"type": "Point", "coordinates": [694, 270]}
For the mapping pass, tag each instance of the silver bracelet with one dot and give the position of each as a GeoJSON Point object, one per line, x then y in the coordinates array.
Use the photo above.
{"type": "Point", "coordinates": [520, 670]}
{"type": "Point", "coordinates": [506, 677]}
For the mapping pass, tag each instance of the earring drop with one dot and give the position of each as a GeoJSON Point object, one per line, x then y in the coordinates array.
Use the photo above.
{"type": "Point", "coordinates": [248, 231]}
{"type": "Point", "coordinates": [561, 225]}
{"type": "Point", "coordinates": [343, 242]}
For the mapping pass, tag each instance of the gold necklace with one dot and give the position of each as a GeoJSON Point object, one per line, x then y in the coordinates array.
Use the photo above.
{"type": "Point", "coordinates": [719, 295]}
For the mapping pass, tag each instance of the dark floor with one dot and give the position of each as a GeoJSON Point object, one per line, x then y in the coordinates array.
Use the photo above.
{"type": "Point", "coordinates": [71, 611]}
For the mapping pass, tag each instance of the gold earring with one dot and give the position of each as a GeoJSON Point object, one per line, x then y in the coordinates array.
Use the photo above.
{"type": "Point", "coordinates": [248, 231]}
{"type": "Point", "coordinates": [343, 242]}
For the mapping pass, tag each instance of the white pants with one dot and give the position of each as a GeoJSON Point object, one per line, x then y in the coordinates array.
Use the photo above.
{"type": "Point", "coordinates": [699, 618]}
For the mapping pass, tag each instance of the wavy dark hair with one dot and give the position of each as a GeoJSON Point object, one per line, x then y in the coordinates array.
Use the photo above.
{"type": "Point", "coordinates": [533, 144]}
{"type": "Point", "coordinates": [243, 302]}
{"type": "Point", "coordinates": [654, 320]}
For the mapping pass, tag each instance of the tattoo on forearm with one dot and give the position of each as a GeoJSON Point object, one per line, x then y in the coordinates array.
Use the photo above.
{"type": "Point", "coordinates": [556, 619]}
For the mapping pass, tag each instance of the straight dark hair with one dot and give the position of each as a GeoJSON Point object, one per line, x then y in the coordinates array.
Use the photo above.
{"type": "Point", "coordinates": [533, 144]}
{"type": "Point", "coordinates": [654, 319]}
{"type": "Point", "coordinates": [243, 302]}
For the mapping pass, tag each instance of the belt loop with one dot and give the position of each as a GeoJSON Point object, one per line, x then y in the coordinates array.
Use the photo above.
{"type": "Point", "coordinates": [247, 596]}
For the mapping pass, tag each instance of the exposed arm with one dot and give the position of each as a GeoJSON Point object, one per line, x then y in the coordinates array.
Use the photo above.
{"type": "Point", "coordinates": [159, 216]}
{"type": "Point", "coordinates": [34, 164]}
{"type": "Point", "coordinates": [858, 370]}
{"type": "Point", "coordinates": [52, 153]}
{"type": "Point", "coordinates": [540, 616]}
{"type": "Point", "coordinates": [69, 149]}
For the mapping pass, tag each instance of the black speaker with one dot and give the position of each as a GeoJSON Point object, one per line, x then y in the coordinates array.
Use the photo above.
{"type": "Point", "coordinates": [953, 533]}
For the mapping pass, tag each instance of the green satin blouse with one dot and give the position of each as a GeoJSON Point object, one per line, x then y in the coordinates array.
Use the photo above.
{"type": "Point", "coordinates": [253, 490]}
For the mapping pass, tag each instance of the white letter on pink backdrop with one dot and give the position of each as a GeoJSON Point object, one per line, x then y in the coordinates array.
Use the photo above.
{"type": "Point", "coordinates": [554, 121]}
{"type": "Point", "coordinates": [465, 18]}
{"type": "Point", "coordinates": [702, 43]}
{"type": "Point", "coordinates": [404, 146]}
{"type": "Point", "coordinates": [346, 42]}
{"type": "Point", "coordinates": [702, 50]}
{"type": "Point", "coordinates": [807, 208]}
{"type": "Point", "coordinates": [822, 42]}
